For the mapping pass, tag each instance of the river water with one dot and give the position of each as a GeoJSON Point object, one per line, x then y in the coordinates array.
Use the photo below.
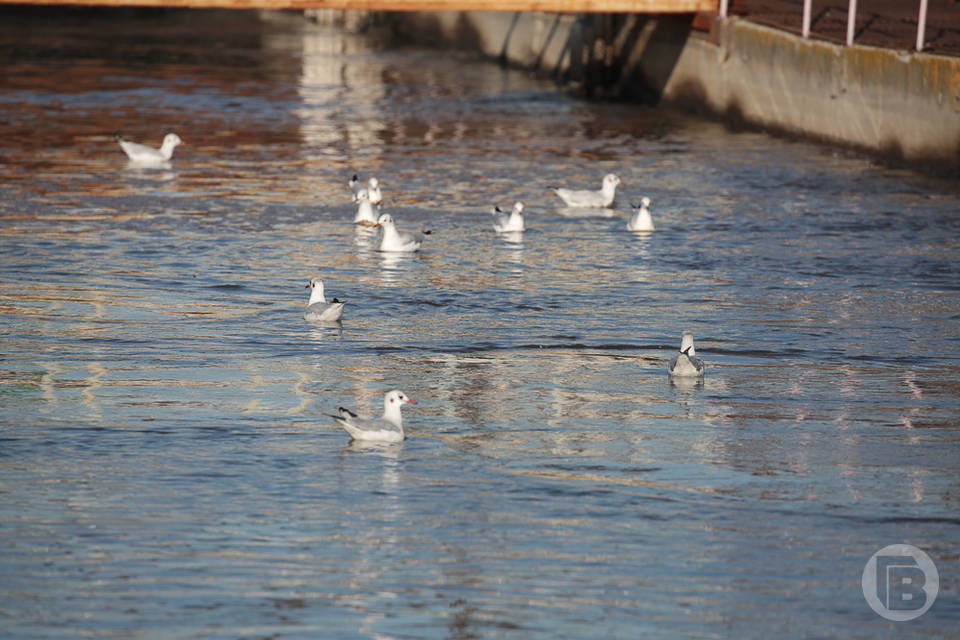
{"type": "Point", "coordinates": [167, 466]}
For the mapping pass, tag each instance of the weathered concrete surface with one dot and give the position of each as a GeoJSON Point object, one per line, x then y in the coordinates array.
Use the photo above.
{"type": "Point", "coordinates": [892, 102]}
{"type": "Point", "coordinates": [896, 103]}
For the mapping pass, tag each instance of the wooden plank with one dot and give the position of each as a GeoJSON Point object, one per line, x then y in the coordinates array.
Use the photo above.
{"type": "Point", "coordinates": [549, 6]}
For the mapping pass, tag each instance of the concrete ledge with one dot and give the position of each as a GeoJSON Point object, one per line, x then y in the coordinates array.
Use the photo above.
{"type": "Point", "coordinates": [900, 104]}
{"type": "Point", "coordinates": [903, 105]}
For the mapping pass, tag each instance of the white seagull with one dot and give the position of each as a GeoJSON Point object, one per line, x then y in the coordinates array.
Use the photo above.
{"type": "Point", "coordinates": [144, 155]}
{"type": "Point", "coordinates": [602, 199]}
{"type": "Point", "coordinates": [395, 241]}
{"type": "Point", "coordinates": [508, 222]}
{"type": "Point", "coordinates": [373, 188]}
{"type": "Point", "coordinates": [686, 364]}
{"type": "Point", "coordinates": [366, 210]}
{"type": "Point", "coordinates": [388, 428]}
{"type": "Point", "coordinates": [318, 309]}
{"type": "Point", "coordinates": [641, 220]}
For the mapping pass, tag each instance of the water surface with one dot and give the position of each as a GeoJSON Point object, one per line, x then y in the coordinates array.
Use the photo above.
{"type": "Point", "coordinates": [167, 466]}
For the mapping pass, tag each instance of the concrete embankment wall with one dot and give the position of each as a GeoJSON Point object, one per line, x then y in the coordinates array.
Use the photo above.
{"type": "Point", "coordinates": [905, 105]}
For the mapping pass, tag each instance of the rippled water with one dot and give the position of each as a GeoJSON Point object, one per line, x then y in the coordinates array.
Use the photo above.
{"type": "Point", "coordinates": [167, 468]}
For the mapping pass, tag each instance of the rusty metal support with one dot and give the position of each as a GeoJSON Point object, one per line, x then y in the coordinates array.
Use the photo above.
{"type": "Point", "coordinates": [851, 21]}
{"type": "Point", "coordinates": [921, 24]}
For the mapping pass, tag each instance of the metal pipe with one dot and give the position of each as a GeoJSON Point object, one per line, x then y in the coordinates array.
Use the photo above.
{"type": "Point", "coordinates": [806, 18]}
{"type": "Point", "coordinates": [922, 24]}
{"type": "Point", "coordinates": [851, 21]}
{"type": "Point", "coordinates": [723, 8]}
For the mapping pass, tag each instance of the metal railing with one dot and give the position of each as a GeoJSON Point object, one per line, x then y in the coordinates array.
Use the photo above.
{"type": "Point", "coordinates": [851, 19]}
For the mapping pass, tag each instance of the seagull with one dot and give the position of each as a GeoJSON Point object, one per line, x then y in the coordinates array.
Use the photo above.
{"type": "Point", "coordinates": [354, 184]}
{"type": "Point", "coordinates": [318, 309]}
{"type": "Point", "coordinates": [367, 211]}
{"type": "Point", "coordinates": [641, 220]}
{"type": "Point", "coordinates": [389, 428]}
{"type": "Point", "coordinates": [686, 364]}
{"type": "Point", "coordinates": [144, 155]}
{"type": "Point", "coordinates": [394, 240]}
{"type": "Point", "coordinates": [373, 188]}
{"type": "Point", "coordinates": [507, 223]}
{"type": "Point", "coordinates": [602, 199]}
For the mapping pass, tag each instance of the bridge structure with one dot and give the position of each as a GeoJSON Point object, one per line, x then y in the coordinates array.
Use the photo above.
{"type": "Point", "coordinates": [550, 6]}
{"type": "Point", "coordinates": [718, 7]}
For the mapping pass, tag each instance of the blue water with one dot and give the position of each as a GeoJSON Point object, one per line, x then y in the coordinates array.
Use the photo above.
{"type": "Point", "coordinates": [167, 466]}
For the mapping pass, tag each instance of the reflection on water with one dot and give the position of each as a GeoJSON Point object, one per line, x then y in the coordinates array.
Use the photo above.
{"type": "Point", "coordinates": [154, 174]}
{"type": "Point", "coordinates": [394, 267]}
{"type": "Point", "coordinates": [514, 238]}
{"type": "Point", "coordinates": [587, 212]}
{"type": "Point", "coordinates": [167, 463]}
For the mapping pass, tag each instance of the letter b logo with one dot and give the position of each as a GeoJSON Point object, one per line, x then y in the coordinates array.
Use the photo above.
{"type": "Point", "coordinates": [900, 582]}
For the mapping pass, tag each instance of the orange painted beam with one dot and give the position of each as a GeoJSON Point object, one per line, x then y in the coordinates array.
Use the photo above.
{"type": "Point", "coordinates": [550, 6]}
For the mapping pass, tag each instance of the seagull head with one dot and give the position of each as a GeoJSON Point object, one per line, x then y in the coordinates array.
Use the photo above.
{"type": "Point", "coordinates": [316, 291]}
{"type": "Point", "coordinates": [686, 343]}
{"type": "Point", "coordinates": [172, 140]}
{"type": "Point", "coordinates": [611, 180]}
{"type": "Point", "coordinates": [398, 397]}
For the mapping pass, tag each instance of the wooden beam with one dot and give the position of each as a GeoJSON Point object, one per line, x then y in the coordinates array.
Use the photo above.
{"type": "Point", "coordinates": [550, 6]}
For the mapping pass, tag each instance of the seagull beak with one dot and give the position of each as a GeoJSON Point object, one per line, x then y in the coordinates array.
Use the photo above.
{"type": "Point", "coordinates": [409, 401]}
{"type": "Point", "coordinates": [377, 225]}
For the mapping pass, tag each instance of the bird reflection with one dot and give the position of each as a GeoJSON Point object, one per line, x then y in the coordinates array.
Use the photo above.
{"type": "Point", "coordinates": [641, 245]}
{"type": "Point", "coordinates": [512, 252]}
{"type": "Point", "coordinates": [512, 237]}
{"type": "Point", "coordinates": [151, 174]}
{"type": "Point", "coordinates": [319, 331]}
{"type": "Point", "coordinates": [587, 212]}
{"type": "Point", "coordinates": [365, 239]}
{"type": "Point", "coordinates": [392, 266]}
{"type": "Point", "coordinates": [48, 381]}
{"type": "Point", "coordinates": [93, 384]}
{"type": "Point", "coordinates": [686, 384]}
{"type": "Point", "coordinates": [389, 450]}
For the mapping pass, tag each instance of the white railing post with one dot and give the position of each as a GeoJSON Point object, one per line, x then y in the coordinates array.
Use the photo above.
{"type": "Point", "coordinates": [851, 21]}
{"type": "Point", "coordinates": [723, 8]}
{"type": "Point", "coordinates": [922, 24]}
{"type": "Point", "coordinates": [806, 18]}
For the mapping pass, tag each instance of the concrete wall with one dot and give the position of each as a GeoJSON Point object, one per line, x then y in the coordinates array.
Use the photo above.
{"type": "Point", "coordinates": [901, 104]}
